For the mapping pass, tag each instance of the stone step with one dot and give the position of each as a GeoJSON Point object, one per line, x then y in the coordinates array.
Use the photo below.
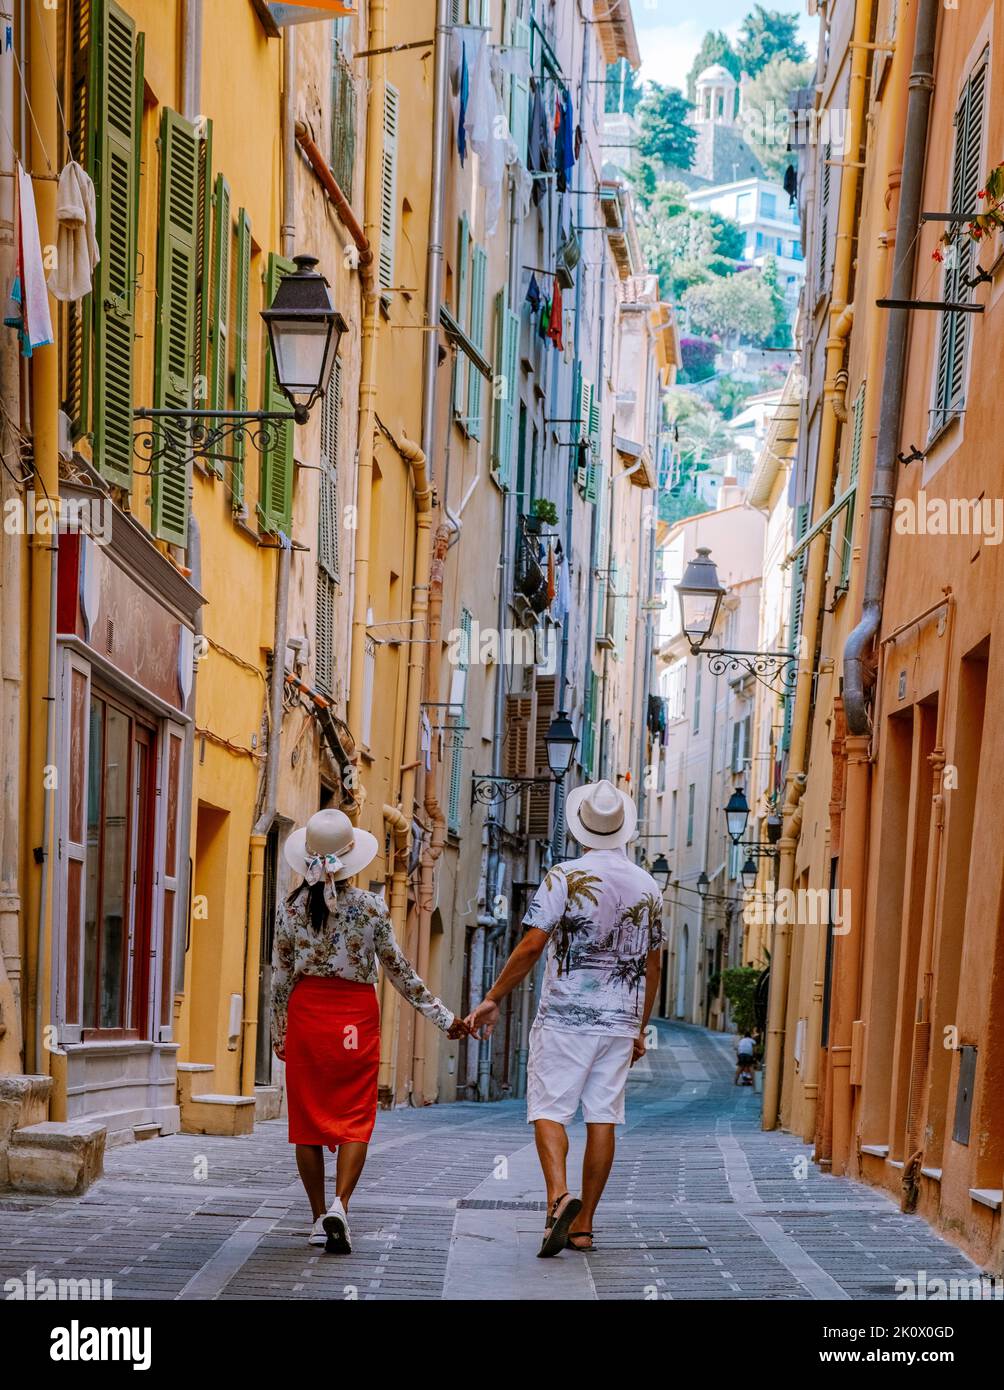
{"type": "Point", "coordinates": [194, 1079]}
{"type": "Point", "coordinates": [60, 1157]}
{"type": "Point", "coordinates": [148, 1131]}
{"type": "Point", "coordinates": [268, 1102]}
{"type": "Point", "coordinates": [218, 1114]}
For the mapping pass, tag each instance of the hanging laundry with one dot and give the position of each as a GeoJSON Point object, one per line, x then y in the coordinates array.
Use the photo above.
{"type": "Point", "coordinates": [554, 323]}
{"type": "Point", "coordinates": [77, 250]}
{"type": "Point", "coordinates": [426, 740]}
{"type": "Point", "coordinates": [544, 322]}
{"type": "Point", "coordinates": [564, 142]}
{"type": "Point", "coordinates": [791, 184]}
{"type": "Point", "coordinates": [533, 294]}
{"type": "Point", "coordinates": [28, 304]}
{"type": "Point", "coordinates": [563, 598]}
{"type": "Point", "coordinates": [465, 92]}
{"type": "Point", "coordinates": [500, 148]}
{"type": "Point", "coordinates": [552, 587]}
{"type": "Point", "coordinates": [539, 147]}
{"type": "Point", "coordinates": [481, 108]}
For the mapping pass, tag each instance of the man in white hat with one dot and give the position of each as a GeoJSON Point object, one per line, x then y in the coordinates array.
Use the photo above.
{"type": "Point", "coordinates": [601, 918]}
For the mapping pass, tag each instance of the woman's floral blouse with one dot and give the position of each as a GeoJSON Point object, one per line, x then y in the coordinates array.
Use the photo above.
{"type": "Point", "coordinates": [357, 933]}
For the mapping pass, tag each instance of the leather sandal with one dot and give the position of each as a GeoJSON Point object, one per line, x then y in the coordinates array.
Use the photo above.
{"type": "Point", "coordinates": [573, 1236]}
{"type": "Point", "coordinates": [564, 1210]}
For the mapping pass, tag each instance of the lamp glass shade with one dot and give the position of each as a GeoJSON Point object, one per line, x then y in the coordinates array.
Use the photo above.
{"type": "Point", "coordinates": [302, 354]}
{"type": "Point", "coordinates": [737, 814]}
{"type": "Point", "coordinates": [701, 593]}
{"type": "Point", "coordinates": [561, 741]}
{"type": "Point", "coordinates": [749, 873]}
{"type": "Point", "coordinates": [660, 870]}
{"type": "Point", "coordinates": [703, 883]}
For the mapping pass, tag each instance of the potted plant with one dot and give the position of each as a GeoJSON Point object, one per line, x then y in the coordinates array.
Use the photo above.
{"type": "Point", "coordinates": [543, 513]}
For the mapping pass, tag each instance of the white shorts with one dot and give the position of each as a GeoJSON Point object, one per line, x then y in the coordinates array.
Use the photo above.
{"type": "Point", "coordinates": [566, 1067]}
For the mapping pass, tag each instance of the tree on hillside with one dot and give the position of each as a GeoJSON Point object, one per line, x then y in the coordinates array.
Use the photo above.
{"type": "Point", "coordinates": [624, 90]}
{"type": "Point", "coordinates": [715, 48]}
{"type": "Point", "coordinates": [766, 102]}
{"type": "Point", "coordinates": [738, 308]}
{"type": "Point", "coordinates": [666, 137]}
{"type": "Point", "coordinates": [767, 34]}
{"type": "Point", "coordinates": [684, 247]}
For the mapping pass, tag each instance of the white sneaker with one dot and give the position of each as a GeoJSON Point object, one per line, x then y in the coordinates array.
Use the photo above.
{"type": "Point", "coordinates": [317, 1236]}
{"type": "Point", "coordinates": [336, 1226]}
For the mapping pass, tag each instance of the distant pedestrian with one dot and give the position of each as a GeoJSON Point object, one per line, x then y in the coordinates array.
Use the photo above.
{"type": "Point", "coordinates": [745, 1053]}
{"type": "Point", "coordinates": [329, 937]}
{"type": "Point", "coordinates": [600, 919]}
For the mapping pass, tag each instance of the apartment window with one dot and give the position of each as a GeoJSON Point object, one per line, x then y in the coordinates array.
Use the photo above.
{"type": "Point", "coordinates": [697, 696]}
{"type": "Point", "coordinates": [744, 206]}
{"type": "Point", "coordinates": [458, 723]}
{"type": "Point", "coordinates": [691, 795]}
{"type": "Point", "coordinates": [343, 107]}
{"type": "Point", "coordinates": [674, 683]}
{"type": "Point", "coordinates": [768, 204]}
{"type": "Point", "coordinates": [967, 177]}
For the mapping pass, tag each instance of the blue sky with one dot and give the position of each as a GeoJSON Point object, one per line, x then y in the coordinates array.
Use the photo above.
{"type": "Point", "coordinates": [670, 31]}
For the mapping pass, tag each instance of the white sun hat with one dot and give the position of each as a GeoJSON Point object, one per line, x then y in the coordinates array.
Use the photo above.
{"type": "Point", "coordinates": [600, 816]}
{"type": "Point", "coordinates": [329, 846]}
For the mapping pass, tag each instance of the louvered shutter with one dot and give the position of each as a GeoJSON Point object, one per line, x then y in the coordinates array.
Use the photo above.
{"type": "Point", "coordinates": [475, 381]}
{"type": "Point", "coordinates": [242, 305]}
{"type": "Point", "coordinates": [855, 467]}
{"type": "Point", "coordinates": [456, 733]}
{"type": "Point", "coordinates": [324, 633]}
{"type": "Point", "coordinates": [539, 812]}
{"type": "Point", "coordinates": [518, 729]}
{"type": "Point", "coordinates": [174, 348]}
{"type": "Point", "coordinates": [795, 612]}
{"type": "Point", "coordinates": [85, 122]}
{"type": "Point", "coordinates": [110, 111]}
{"type": "Point", "coordinates": [219, 330]}
{"type": "Point", "coordinates": [205, 268]}
{"type": "Point", "coordinates": [519, 94]}
{"type": "Point", "coordinates": [275, 500]}
{"type": "Point", "coordinates": [343, 118]}
{"type": "Point", "coordinates": [462, 311]}
{"type": "Point", "coordinates": [824, 217]}
{"type": "Point", "coordinates": [954, 329]}
{"type": "Point", "coordinates": [328, 540]}
{"type": "Point", "coordinates": [388, 188]}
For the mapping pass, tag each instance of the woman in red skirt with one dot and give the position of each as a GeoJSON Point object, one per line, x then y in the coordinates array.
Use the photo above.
{"type": "Point", "coordinates": [329, 938]}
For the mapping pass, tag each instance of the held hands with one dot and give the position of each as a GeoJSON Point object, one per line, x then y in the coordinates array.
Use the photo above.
{"type": "Point", "coordinates": [482, 1020]}
{"type": "Point", "coordinates": [458, 1028]}
{"type": "Point", "coordinates": [638, 1050]}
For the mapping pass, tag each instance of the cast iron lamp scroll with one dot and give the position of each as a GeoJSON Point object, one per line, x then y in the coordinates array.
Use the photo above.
{"type": "Point", "coordinates": [561, 742]}
{"type": "Point", "coordinates": [305, 331]}
{"type": "Point", "coordinates": [701, 593]}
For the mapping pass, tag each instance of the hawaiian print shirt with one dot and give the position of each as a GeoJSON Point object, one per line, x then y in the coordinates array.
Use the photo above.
{"type": "Point", "coordinates": [604, 914]}
{"type": "Point", "coordinates": [356, 935]}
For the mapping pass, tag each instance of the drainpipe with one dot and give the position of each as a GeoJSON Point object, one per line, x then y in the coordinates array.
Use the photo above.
{"type": "Point", "coordinates": [860, 641]}
{"type": "Point", "coordinates": [277, 684]}
{"type": "Point", "coordinates": [41, 41]}
{"type": "Point", "coordinates": [191, 58]}
{"type": "Point", "coordinates": [841, 318]}
{"type": "Point", "coordinates": [11, 653]}
{"type": "Point", "coordinates": [329, 183]}
{"type": "Point", "coordinates": [369, 345]}
{"type": "Point", "coordinates": [434, 258]}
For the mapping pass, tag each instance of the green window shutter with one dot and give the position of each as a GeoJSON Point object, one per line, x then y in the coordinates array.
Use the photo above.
{"type": "Point", "coordinates": [327, 535]}
{"type": "Point", "coordinates": [113, 103]}
{"type": "Point", "coordinates": [795, 613]}
{"type": "Point", "coordinates": [275, 495]}
{"type": "Point", "coordinates": [967, 176]}
{"type": "Point", "coordinates": [343, 117]}
{"type": "Point", "coordinates": [219, 332]}
{"type": "Point", "coordinates": [847, 544]}
{"type": "Point", "coordinates": [205, 266]}
{"type": "Point", "coordinates": [824, 219]}
{"type": "Point", "coordinates": [324, 630]}
{"type": "Point", "coordinates": [242, 303]}
{"type": "Point", "coordinates": [475, 381]}
{"type": "Point", "coordinates": [388, 188]}
{"type": "Point", "coordinates": [174, 347]}
{"type": "Point", "coordinates": [463, 311]}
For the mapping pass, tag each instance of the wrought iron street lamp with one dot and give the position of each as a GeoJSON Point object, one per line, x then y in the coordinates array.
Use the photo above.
{"type": "Point", "coordinates": [737, 814]}
{"type": "Point", "coordinates": [305, 331]}
{"type": "Point", "coordinates": [661, 871]}
{"type": "Point", "coordinates": [749, 873]}
{"type": "Point", "coordinates": [703, 884]}
{"type": "Point", "coordinates": [561, 742]}
{"type": "Point", "coordinates": [701, 593]}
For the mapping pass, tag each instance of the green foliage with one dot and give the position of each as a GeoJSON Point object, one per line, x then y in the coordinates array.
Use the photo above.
{"type": "Point", "coordinates": [543, 509]}
{"type": "Point", "coordinates": [781, 335]}
{"type": "Point", "coordinates": [739, 984]}
{"type": "Point", "coordinates": [686, 248]}
{"type": "Point", "coordinates": [767, 34]}
{"type": "Point", "coordinates": [624, 90]}
{"type": "Point", "coordinates": [738, 308]}
{"type": "Point", "coordinates": [715, 48]}
{"type": "Point", "coordinates": [766, 103]}
{"type": "Point", "coordinates": [665, 135]}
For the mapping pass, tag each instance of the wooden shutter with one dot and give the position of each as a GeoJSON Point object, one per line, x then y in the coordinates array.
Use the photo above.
{"type": "Point", "coordinates": [205, 264]}
{"type": "Point", "coordinates": [242, 306]}
{"type": "Point", "coordinates": [539, 814]}
{"type": "Point", "coordinates": [463, 311]}
{"type": "Point", "coordinates": [518, 733]}
{"type": "Point", "coordinates": [475, 381]}
{"type": "Point", "coordinates": [343, 117]}
{"type": "Point", "coordinates": [327, 538]}
{"type": "Point", "coordinates": [967, 175]}
{"type": "Point", "coordinates": [324, 632]}
{"type": "Point", "coordinates": [110, 111]}
{"type": "Point", "coordinates": [824, 217]}
{"type": "Point", "coordinates": [275, 498]}
{"type": "Point", "coordinates": [388, 188]}
{"type": "Point", "coordinates": [219, 329]}
{"type": "Point", "coordinates": [174, 347]}
{"type": "Point", "coordinates": [795, 614]}
{"type": "Point", "coordinates": [847, 543]}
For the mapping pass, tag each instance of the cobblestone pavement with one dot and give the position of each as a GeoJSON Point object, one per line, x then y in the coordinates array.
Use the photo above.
{"type": "Point", "coordinates": [701, 1205]}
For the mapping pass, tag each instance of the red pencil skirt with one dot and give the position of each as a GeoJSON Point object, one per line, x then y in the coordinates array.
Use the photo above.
{"type": "Point", "coordinates": [332, 1061]}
